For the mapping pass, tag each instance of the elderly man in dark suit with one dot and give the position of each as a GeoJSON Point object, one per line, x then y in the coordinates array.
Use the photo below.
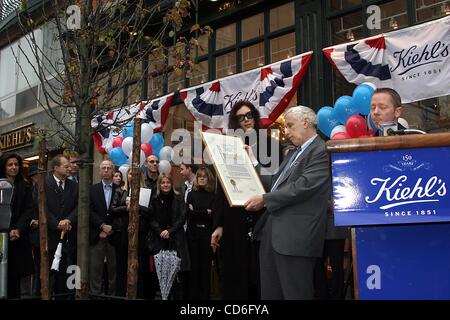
{"type": "Point", "coordinates": [292, 230]}
{"type": "Point", "coordinates": [101, 232]}
{"type": "Point", "coordinates": [61, 207]}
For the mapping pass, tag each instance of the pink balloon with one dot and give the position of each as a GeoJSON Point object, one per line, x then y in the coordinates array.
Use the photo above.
{"type": "Point", "coordinates": [147, 148]}
{"type": "Point", "coordinates": [356, 126]}
{"type": "Point", "coordinates": [371, 133]}
{"type": "Point", "coordinates": [117, 142]}
{"type": "Point", "coordinates": [340, 136]}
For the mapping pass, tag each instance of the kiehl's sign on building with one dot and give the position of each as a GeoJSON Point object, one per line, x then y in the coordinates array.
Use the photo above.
{"type": "Point", "coordinates": [17, 138]}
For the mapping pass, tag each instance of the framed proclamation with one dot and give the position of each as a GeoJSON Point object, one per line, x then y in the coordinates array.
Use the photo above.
{"type": "Point", "coordinates": [234, 168]}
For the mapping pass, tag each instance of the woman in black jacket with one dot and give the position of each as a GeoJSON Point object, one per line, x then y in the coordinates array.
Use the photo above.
{"type": "Point", "coordinates": [120, 211]}
{"type": "Point", "coordinates": [20, 260]}
{"type": "Point", "coordinates": [167, 217]}
{"type": "Point", "coordinates": [199, 228]}
{"type": "Point", "coordinates": [238, 253]}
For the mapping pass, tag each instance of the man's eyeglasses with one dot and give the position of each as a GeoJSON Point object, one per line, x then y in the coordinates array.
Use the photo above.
{"type": "Point", "coordinates": [153, 161]}
{"type": "Point", "coordinates": [242, 117]}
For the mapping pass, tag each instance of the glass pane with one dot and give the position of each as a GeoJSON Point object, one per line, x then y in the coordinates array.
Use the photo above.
{"type": "Point", "coordinates": [7, 108]}
{"type": "Point", "coordinates": [226, 36]}
{"type": "Point", "coordinates": [134, 93]}
{"type": "Point", "coordinates": [282, 47]}
{"type": "Point", "coordinates": [343, 4]}
{"type": "Point", "coordinates": [430, 115]}
{"type": "Point", "coordinates": [26, 100]}
{"type": "Point", "coordinates": [157, 61]}
{"type": "Point", "coordinates": [431, 9]}
{"type": "Point", "coordinates": [347, 28]}
{"type": "Point", "coordinates": [200, 74]}
{"type": "Point", "coordinates": [176, 81]}
{"type": "Point", "coordinates": [253, 56]}
{"type": "Point", "coordinates": [253, 27]}
{"type": "Point", "coordinates": [226, 65]}
{"type": "Point", "coordinates": [176, 53]}
{"type": "Point", "coordinates": [282, 16]}
{"type": "Point", "coordinates": [202, 45]}
{"type": "Point", "coordinates": [155, 85]}
{"type": "Point", "coordinates": [393, 16]}
{"type": "Point", "coordinates": [8, 69]}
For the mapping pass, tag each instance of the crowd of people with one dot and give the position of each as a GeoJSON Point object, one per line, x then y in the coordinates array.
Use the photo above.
{"type": "Point", "coordinates": [275, 247]}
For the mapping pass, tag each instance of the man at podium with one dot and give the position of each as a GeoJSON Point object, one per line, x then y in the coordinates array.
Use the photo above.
{"type": "Point", "coordinates": [385, 110]}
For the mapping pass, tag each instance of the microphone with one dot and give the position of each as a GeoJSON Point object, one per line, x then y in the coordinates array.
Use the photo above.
{"type": "Point", "coordinates": [391, 132]}
{"type": "Point", "coordinates": [387, 128]}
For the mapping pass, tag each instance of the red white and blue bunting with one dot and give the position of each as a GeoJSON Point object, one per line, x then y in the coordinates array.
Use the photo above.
{"type": "Point", "coordinates": [108, 126]}
{"type": "Point", "coordinates": [269, 88]}
{"type": "Point", "coordinates": [414, 61]}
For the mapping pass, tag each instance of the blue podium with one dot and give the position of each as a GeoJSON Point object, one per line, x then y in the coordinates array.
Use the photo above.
{"type": "Point", "coordinates": [394, 193]}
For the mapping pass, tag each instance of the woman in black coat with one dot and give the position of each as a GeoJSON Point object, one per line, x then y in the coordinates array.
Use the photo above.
{"type": "Point", "coordinates": [199, 206]}
{"type": "Point", "coordinates": [120, 210]}
{"type": "Point", "coordinates": [20, 260]}
{"type": "Point", "coordinates": [238, 253]}
{"type": "Point", "coordinates": [167, 217]}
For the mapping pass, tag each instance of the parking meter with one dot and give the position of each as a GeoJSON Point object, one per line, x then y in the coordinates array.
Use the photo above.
{"type": "Point", "coordinates": [6, 191]}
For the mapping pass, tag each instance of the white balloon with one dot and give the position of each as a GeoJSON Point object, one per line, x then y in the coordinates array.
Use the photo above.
{"type": "Point", "coordinates": [141, 160]}
{"type": "Point", "coordinates": [164, 167]}
{"type": "Point", "coordinates": [339, 128]}
{"type": "Point", "coordinates": [146, 132]}
{"type": "Point", "coordinates": [374, 87]}
{"type": "Point", "coordinates": [127, 145]}
{"type": "Point", "coordinates": [403, 122]}
{"type": "Point", "coordinates": [124, 169]}
{"type": "Point", "coordinates": [166, 153]}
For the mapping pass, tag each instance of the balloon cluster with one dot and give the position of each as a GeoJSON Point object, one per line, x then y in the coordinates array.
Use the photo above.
{"type": "Point", "coordinates": [121, 153]}
{"type": "Point", "coordinates": [345, 120]}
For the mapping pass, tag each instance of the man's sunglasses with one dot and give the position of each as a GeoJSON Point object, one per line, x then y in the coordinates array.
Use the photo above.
{"type": "Point", "coordinates": [242, 117]}
{"type": "Point", "coordinates": [153, 161]}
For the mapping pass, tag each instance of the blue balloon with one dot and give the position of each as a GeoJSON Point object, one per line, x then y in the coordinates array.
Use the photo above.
{"type": "Point", "coordinates": [361, 98]}
{"type": "Point", "coordinates": [157, 142]}
{"type": "Point", "coordinates": [128, 130]}
{"type": "Point", "coordinates": [344, 108]}
{"type": "Point", "coordinates": [327, 119]}
{"type": "Point", "coordinates": [117, 156]}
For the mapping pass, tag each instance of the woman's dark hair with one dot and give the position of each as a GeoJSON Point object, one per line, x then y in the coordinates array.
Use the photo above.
{"type": "Point", "coordinates": [233, 122]}
{"type": "Point", "coordinates": [5, 159]}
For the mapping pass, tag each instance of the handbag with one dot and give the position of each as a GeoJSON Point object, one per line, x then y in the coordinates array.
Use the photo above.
{"type": "Point", "coordinates": [152, 243]}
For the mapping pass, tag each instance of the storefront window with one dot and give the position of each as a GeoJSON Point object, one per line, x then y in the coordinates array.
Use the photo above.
{"type": "Point", "coordinates": [253, 56]}
{"type": "Point", "coordinates": [7, 107]}
{"type": "Point", "coordinates": [393, 16]}
{"type": "Point", "coordinates": [347, 28]}
{"type": "Point", "coordinates": [226, 65]}
{"type": "Point", "coordinates": [226, 36]}
{"type": "Point", "coordinates": [282, 47]}
{"type": "Point", "coordinates": [200, 73]}
{"type": "Point", "coordinates": [202, 47]}
{"type": "Point", "coordinates": [282, 16]}
{"type": "Point", "coordinates": [176, 81]}
{"type": "Point", "coordinates": [431, 9]}
{"type": "Point", "coordinates": [343, 4]}
{"type": "Point", "coordinates": [155, 86]}
{"type": "Point", "coordinates": [133, 93]}
{"type": "Point", "coordinates": [253, 27]}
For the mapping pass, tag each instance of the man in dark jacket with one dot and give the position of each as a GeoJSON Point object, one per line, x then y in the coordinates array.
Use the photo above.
{"type": "Point", "coordinates": [61, 208]}
{"type": "Point", "coordinates": [101, 232]}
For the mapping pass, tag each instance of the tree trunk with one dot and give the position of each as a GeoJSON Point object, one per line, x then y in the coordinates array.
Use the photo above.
{"type": "Point", "coordinates": [43, 240]}
{"type": "Point", "coordinates": [133, 226]}
{"type": "Point", "coordinates": [84, 188]}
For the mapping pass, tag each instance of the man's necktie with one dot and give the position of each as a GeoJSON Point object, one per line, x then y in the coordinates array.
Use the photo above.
{"type": "Point", "coordinates": [286, 168]}
{"type": "Point", "coordinates": [60, 186]}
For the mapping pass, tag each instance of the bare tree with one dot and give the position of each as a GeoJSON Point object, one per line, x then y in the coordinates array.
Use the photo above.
{"type": "Point", "coordinates": [96, 49]}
